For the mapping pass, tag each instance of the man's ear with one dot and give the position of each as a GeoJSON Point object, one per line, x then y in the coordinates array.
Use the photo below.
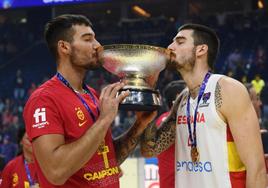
{"type": "Point", "coordinates": [64, 47]}
{"type": "Point", "coordinates": [201, 50]}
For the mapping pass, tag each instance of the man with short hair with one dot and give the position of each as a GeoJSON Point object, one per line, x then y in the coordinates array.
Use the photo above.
{"type": "Point", "coordinates": [68, 124]}
{"type": "Point", "coordinates": [213, 123]}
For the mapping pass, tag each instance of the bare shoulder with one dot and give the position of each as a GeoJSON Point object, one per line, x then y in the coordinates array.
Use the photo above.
{"type": "Point", "coordinates": [231, 85]}
{"type": "Point", "coordinates": [232, 90]}
{"type": "Point", "coordinates": [230, 94]}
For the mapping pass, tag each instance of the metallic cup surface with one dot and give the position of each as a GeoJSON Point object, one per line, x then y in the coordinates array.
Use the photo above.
{"type": "Point", "coordinates": [139, 67]}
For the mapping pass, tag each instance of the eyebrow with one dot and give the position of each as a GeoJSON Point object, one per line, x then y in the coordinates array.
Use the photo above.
{"type": "Point", "coordinates": [179, 38]}
{"type": "Point", "coordinates": [87, 34]}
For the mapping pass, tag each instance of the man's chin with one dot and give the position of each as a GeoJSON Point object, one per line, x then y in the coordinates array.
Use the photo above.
{"type": "Point", "coordinates": [171, 65]}
{"type": "Point", "coordinates": [93, 65]}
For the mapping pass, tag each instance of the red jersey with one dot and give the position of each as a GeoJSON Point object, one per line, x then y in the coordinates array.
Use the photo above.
{"type": "Point", "coordinates": [55, 109]}
{"type": "Point", "coordinates": [14, 174]}
{"type": "Point", "coordinates": [166, 161]}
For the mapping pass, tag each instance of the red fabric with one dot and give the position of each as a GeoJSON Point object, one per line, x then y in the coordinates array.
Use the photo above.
{"type": "Point", "coordinates": [238, 179]}
{"type": "Point", "coordinates": [166, 162]}
{"type": "Point", "coordinates": [65, 114]}
{"type": "Point", "coordinates": [229, 135]}
{"type": "Point", "coordinates": [14, 174]}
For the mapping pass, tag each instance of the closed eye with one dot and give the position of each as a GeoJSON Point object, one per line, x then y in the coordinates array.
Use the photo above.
{"type": "Point", "coordinates": [87, 39]}
{"type": "Point", "coordinates": [179, 42]}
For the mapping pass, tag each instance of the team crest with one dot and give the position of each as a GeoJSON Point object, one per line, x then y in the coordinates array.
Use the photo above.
{"type": "Point", "coordinates": [15, 179]}
{"type": "Point", "coordinates": [79, 113]}
{"type": "Point", "coordinates": [205, 98]}
{"type": "Point", "coordinates": [81, 117]}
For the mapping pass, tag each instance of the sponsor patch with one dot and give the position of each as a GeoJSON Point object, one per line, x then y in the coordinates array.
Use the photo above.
{"type": "Point", "coordinates": [40, 118]}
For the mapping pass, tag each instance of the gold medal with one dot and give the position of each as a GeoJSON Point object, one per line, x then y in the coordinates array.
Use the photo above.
{"type": "Point", "coordinates": [192, 133]}
{"type": "Point", "coordinates": [194, 154]}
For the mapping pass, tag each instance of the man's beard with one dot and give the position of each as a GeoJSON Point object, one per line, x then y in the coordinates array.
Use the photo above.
{"type": "Point", "coordinates": [185, 63]}
{"type": "Point", "coordinates": [191, 61]}
{"type": "Point", "coordinates": [93, 66]}
{"type": "Point", "coordinates": [88, 66]}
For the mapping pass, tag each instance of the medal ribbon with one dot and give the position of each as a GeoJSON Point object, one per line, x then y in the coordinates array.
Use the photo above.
{"type": "Point", "coordinates": [200, 94]}
{"type": "Point", "coordinates": [66, 83]}
{"type": "Point", "coordinates": [28, 173]}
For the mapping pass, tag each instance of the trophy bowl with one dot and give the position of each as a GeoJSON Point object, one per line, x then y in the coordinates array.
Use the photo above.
{"type": "Point", "coordinates": [138, 66]}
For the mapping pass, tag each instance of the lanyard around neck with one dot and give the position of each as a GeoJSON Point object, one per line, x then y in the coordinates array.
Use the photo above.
{"type": "Point", "coordinates": [66, 83]}
{"type": "Point", "coordinates": [28, 173]}
{"type": "Point", "coordinates": [200, 94]}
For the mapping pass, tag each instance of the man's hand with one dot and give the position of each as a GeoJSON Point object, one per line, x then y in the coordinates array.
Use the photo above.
{"type": "Point", "coordinates": [109, 102]}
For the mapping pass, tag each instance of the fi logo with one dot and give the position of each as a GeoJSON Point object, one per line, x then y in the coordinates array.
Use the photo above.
{"type": "Point", "coordinates": [40, 118]}
{"type": "Point", "coordinates": [40, 114]}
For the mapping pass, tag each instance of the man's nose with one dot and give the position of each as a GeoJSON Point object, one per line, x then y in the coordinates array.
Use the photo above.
{"type": "Point", "coordinates": [96, 44]}
{"type": "Point", "coordinates": [170, 47]}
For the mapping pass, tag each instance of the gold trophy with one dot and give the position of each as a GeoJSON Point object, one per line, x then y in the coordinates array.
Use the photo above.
{"type": "Point", "coordinates": [139, 67]}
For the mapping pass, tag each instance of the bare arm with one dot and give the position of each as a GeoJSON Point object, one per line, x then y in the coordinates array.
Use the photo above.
{"type": "Point", "coordinates": [128, 142]}
{"type": "Point", "coordinates": [240, 115]}
{"type": "Point", "coordinates": [59, 160]}
{"type": "Point", "coordinates": [155, 140]}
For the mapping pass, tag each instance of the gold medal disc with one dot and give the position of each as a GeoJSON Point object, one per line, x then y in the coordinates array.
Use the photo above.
{"type": "Point", "coordinates": [194, 154]}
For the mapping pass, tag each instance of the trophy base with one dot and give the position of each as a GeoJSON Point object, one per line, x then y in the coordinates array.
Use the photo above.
{"type": "Point", "coordinates": [140, 100]}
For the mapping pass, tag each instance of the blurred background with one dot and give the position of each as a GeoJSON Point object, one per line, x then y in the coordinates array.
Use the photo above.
{"type": "Point", "coordinates": [25, 62]}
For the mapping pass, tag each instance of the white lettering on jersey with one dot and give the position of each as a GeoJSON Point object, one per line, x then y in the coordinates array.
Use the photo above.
{"type": "Point", "coordinates": [40, 113]}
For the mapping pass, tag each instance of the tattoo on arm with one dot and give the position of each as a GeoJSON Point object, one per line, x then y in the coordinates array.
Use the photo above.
{"type": "Point", "coordinates": [218, 97]}
{"type": "Point", "coordinates": [126, 144]}
{"type": "Point", "coordinates": [148, 140]}
{"type": "Point", "coordinates": [154, 140]}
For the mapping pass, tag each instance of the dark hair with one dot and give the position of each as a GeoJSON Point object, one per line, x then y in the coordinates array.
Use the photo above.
{"type": "Point", "coordinates": [60, 28]}
{"type": "Point", "coordinates": [171, 91]}
{"type": "Point", "coordinates": [205, 35]}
